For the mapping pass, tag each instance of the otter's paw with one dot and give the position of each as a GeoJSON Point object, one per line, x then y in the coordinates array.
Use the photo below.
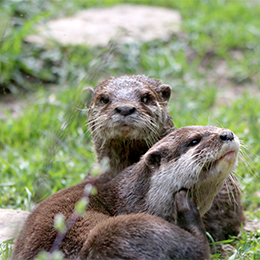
{"type": "Point", "coordinates": [188, 218]}
{"type": "Point", "coordinates": [186, 212]}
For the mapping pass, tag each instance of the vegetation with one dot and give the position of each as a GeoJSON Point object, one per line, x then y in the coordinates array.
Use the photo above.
{"type": "Point", "coordinates": [212, 66]}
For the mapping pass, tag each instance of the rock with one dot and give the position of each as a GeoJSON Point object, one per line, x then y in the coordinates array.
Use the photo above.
{"type": "Point", "coordinates": [252, 226]}
{"type": "Point", "coordinates": [97, 26]}
{"type": "Point", "coordinates": [11, 222]}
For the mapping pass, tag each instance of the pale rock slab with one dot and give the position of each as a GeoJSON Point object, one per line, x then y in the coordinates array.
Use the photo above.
{"type": "Point", "coordinates": [97, 26]}
{"type": "Point", "coordinates": [11, 222]}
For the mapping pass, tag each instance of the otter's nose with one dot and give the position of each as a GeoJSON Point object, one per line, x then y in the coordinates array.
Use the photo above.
{"type": "Point", "coordinates": [226, 136]}
{"type": "Point", "coordinates": [125, 110]}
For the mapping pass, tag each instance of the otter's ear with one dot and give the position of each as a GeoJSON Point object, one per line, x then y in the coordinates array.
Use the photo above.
{"type": "Point", "coordinates": [165, 92]}
{"type": "Point", "coordinates": [87, 95]}
{"type": "Point", "coordinates": [154, 159]}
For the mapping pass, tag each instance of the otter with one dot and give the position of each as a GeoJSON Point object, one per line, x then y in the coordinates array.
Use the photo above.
{"type": "Point", "coordinates": [151, 210]}
{"type": "Point", "coordinates": [127, 115]}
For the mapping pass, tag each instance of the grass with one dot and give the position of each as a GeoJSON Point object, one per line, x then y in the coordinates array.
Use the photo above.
{"type": "Point", "coordinates": [48, 147]}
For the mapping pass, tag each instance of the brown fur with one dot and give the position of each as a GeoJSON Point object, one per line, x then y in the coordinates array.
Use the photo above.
{"type": "Point", "coordinates": [126, 219]}
{"type": "Point", "coordinates": [225, 216]}
{"type": "Point", "coordinates": [123, 148]}
{"type": "Point", "coordinates": [124, 137]}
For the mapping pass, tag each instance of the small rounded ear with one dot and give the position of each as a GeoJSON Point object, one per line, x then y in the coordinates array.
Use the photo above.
{"type": "Point", "coordinates": [165, 92]}
{"type": "Point", "coordinates": [87, 95]}
{"type": "Point", "coordinates": [153, 159]}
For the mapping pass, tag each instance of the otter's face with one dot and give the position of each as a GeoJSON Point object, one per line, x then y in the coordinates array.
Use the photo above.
{"type": "Point", "coordinates": [195, 158]}
{"type": "Point", "coordinates": [129, 107]}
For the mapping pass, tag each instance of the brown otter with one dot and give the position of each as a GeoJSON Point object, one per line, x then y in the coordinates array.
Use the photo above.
{"type": "Point", "coordinates": [147, 210]}
{"type": "Point", "coordinates": [127, 115]}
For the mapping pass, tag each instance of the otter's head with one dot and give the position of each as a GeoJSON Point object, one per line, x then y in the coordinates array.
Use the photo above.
{"type": "Point", "coordinates": [194, 158]}
{"type": "Point", "coordinates": [131, 107]}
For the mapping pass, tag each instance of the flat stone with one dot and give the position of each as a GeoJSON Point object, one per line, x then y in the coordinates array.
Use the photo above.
{"type": "Point", "coordinates": [97, 26]}
{"type": "Point", "coordinates": [252, 226]}
{"type": "Point", "coordinates": [11, 222]}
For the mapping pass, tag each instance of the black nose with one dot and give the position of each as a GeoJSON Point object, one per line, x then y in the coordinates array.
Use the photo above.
{"type": "Point", "coordinates": [125, 110]}
{"type": "Point", "coordinates": [226, 136]}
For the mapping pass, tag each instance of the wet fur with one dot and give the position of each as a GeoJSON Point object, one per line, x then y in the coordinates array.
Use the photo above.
{"type": "Point", "coordinates": [226, 215]}
{"type": "Point", "coordinates": [148, 124]}
{"type": "Point", "coordinates": [170, 230]}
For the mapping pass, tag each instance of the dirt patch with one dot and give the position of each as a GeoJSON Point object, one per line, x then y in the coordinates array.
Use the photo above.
{"type": "Point", "coordinates": [11, 104]}
{"type": "Point", "coordinates": [218, 73]}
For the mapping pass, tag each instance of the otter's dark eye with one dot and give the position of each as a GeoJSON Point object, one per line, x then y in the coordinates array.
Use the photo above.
{"type": "Point", "coordinates": [104, 100]}
{"type": "Point", "coordinates": [194, 142]}
{"type": "Point", "coordinates": [145, 99]}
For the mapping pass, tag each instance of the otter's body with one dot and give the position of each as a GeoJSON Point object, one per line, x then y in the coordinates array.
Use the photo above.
{"type": "Point", "coordinates": [151, 210]}
{"type": "Point", "coordinates": [127, 115]}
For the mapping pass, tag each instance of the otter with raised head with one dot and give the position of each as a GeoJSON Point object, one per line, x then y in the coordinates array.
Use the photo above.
{"type": "Point", "coordinates": [129, 114]}
{"type": "Point", "coordinates": [148, 210]}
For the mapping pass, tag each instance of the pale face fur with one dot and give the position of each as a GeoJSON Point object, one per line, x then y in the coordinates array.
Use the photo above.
{"type": "Point", "coordinates": [198, 160]}
{"type": "Point", "coordinates": [148, 100]}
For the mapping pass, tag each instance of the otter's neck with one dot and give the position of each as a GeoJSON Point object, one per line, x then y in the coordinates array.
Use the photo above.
{"type": "Point", "coordinates": [121, 153]}
{"type": "Point", "coordinates": [128, 193]}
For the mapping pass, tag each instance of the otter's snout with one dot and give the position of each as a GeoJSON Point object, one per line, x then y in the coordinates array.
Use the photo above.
{"type": "Point", "coordinates": [125, 110]}
{"type": "Point", "coordinates": [227, 135]}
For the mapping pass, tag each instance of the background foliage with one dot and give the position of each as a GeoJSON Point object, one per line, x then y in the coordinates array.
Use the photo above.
{"type": "Point", "coordinates": [47, 147]}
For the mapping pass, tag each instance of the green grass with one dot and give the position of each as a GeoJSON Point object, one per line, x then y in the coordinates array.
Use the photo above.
{"type": "Point", "coordinates": [6, 249]}
{"type": "Point", "coordinates": [48, 147]}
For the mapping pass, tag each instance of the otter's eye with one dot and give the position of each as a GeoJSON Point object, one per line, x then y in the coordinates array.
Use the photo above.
{"type": "Point", "coordinates": [104, 100]}
{"type": "Point", "coordinates": [145, 99]}
{"type": "Point", "coordinates": [194, 142]}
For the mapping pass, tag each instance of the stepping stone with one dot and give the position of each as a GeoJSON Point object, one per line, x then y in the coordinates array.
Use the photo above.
{"type": "Point", "coordinates": [11, 222]}
{"type": "Point", "coordinates": [97, 26]}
